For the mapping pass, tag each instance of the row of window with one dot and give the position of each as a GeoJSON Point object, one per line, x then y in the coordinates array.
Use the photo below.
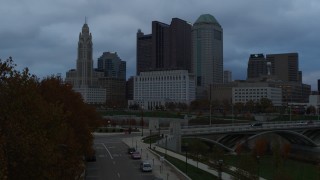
{"type": "Point", "coordinates": [158, 78]}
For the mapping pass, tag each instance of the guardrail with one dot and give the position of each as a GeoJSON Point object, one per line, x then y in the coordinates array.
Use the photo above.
{"type": "Point", "coordinates": [246, 127]}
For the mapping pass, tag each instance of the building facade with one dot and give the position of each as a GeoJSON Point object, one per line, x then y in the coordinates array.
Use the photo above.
{"type": "Point", "coordinates": [155, 88]}
{"type": "Point", "coordinates": [111, 65]}
{"type": "Point", "coordinates": [227, 76]}
{"type": "Point", "coordinates": [168, 47]}
{"type": "Point", "coordinates": [257, 66]}
{"type": "Point", "coordinates": [255, 93]}
{"type": "Point", "coordinates": [285, 66]}
{"type": "Point", "coordinates": [207, 53]}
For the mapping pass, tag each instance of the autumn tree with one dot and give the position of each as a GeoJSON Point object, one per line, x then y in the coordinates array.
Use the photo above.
{"type": "Point", "coordinates": [45, 128]}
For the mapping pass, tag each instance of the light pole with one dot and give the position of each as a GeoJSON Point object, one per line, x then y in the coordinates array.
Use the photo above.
{"type": "Point", "coordinates": [150, 138]}
{"type": "Point", "coordinates": [220, 163]}
{"type": "Point", "coordinates": [186, 148]}
{"type": "Point", "coordinates": [166, 145]}
{"type": "Point", "coordinates": [142, 123]}
{"type": "Point", "coordinates": [258, 161]}
{"type": "Point", "coordinates": [210, 105]}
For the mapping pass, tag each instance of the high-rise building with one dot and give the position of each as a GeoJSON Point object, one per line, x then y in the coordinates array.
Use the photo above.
{"type": "Point", "coordinates": [84, 79]}
{"type": "Point", "coordinates": [227, 76]}
{"type": "Point", "coordinates": [111, 65]}
{"type": "Point", "coordinates": [84, 60]}
{"type": "Point", "coordinates": [207, 53]}
{"type": "Point", "coordinates": [257, 66]}
{"type": "Point", "coordinates": [144, 52]}
{"type": "Point", "coordinates": [285, 66]}
{"type": "Point", "coordinates": [168, 47]}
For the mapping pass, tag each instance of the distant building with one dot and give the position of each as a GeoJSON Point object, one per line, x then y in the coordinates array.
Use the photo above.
{"type": "Point", "coordinates": [227, 76]}
{"type": "Point", "coordinates": [257, 66]}
{"type": "Point", "coordinates": [207, 53]}
{"type": "Point", "coordinates": [155, 88]}
{"type": "Point", "coordinates": [103, 85]}
{"type": "Point", "coordinates": [285, 66]}
{"type": "Point", "coordinates": [319, 86]}
{"type": "Point", "coordinates": [168, 47]}
{"type": "Point", "coordinates": [129, 89]}
{"type": "Point", "coordinates": [111, 65]}
{"type": "Point", "coordinates": [256, 93]}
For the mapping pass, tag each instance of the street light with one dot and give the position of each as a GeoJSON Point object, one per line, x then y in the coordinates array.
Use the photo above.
{"type": "Point", "coordinates": [166, 145]}
{"type": "Point", "coordinates": [186, 148]}
{"type": "Point", "coordinates": [150, 138]}
{"type": "Point", "coordinates": [220, 163]}
{"type": "Point", "coordinates": [258, 161]}
{"type": "Point", "coordinates": [142, 123]}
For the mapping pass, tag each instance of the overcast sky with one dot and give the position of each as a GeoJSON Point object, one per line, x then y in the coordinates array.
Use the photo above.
{"type": "Point", "coordinates": [43, 34]}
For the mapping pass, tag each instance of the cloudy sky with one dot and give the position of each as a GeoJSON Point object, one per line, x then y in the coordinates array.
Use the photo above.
{"type": "Point", "coordinates": [43, 34]}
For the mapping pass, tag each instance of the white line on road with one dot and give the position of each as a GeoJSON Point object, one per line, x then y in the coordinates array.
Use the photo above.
{"type": "Point", "coordinates": [118, 175]}
{"type": "Point", "coordinates": [114, 162]}
{"type": "Point", "coordinates": [107, 150]}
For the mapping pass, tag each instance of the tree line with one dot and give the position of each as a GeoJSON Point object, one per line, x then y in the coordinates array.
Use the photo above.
{"type": "Point", "coordinates": [45, 127]}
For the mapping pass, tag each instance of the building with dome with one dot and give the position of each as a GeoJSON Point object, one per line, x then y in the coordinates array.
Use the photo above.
{"type": "Point", "coordinates": [207, 53]}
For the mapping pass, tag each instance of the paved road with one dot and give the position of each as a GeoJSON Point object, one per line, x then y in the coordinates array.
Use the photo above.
{"type": "Point", "coordinates": [113, 162]}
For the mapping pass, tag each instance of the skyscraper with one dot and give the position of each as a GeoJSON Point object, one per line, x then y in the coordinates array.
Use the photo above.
{"type": "Point", "coordinates": [207, 57]}
{"type": "Point", "coordinates": [84, 60]}
{"type": "Point", "coordinates": [168, 47]}
{"type": "Point", "coordinates": [112, 65]}
{"type": "Point", "coordinates": [285, 66]}
{"type": "Point", "coordinates": [144, 52]}
{"type": "Point", "coordinates": [227, 76]}
{"type": "Point", "coordinates": [257, 66]}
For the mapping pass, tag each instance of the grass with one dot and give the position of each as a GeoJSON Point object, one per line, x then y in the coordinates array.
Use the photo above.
{"type": "Point", "coordinates": [192, 171]}
{"type": "Point", "coordinates": [296, 170]}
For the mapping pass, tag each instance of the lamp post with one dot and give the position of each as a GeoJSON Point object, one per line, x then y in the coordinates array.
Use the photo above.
{"type": "Point", "coordinates": [142, 123]}
{"type": "Point", "coordinates": [166, 145]}
{"type": "Point", "coordinates": [186, 148]}
{"type": "Point", "coordinates": [150, 138]}
{"type": "Point", "coordinates": [258, 161]}
{"type": "Point", "coordinates": [210, 105]}
{"type": "Point", "coordinates": [220, 163]}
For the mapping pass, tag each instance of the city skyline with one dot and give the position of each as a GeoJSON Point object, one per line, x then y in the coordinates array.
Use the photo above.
{"type": "Point", "coordinates": [41, 37]}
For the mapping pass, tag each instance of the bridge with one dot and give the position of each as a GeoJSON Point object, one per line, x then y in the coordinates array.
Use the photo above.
{"type": "Point", "coordinates": [228, 136]}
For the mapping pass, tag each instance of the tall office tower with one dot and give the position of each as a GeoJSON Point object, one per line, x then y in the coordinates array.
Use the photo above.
{"type": "Point", "coordinates": [84, 60]}
{"type": "Point", "coordinates": [167, 48]}
{"type": "Point", "coordinates": [112, 65]}
{"type": "Point", "coordinates": [285, 66]}
{"type": "Point", "coordinates": [207, 49]}
{"type": "Point", "coordinates": [227, 76]}
{"type": "Point", "coordinates": [257, 66]}
{"type": "Point", "coordinates": [144, 52]}
{"type": "Point", "coordinates": [180, 45]}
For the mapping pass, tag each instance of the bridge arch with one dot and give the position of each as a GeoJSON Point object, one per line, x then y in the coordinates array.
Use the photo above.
{"type": "Point", "coordinates": [211, 141]}
{"type": "Point", "coordinates": [291, 136]}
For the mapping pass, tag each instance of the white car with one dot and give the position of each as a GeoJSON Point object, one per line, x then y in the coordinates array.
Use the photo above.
{"type": "Point", "coordinates": [145, 167]}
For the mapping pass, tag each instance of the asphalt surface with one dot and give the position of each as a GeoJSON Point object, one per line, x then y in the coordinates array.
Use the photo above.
{"type": "Point", "coordinates": [113, 161]}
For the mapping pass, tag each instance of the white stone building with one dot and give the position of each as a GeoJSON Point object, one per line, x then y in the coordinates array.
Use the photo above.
{"type": "Point", "coordinates": [155, 88]}
{"type": "Point", "coordinates": [245, 94]}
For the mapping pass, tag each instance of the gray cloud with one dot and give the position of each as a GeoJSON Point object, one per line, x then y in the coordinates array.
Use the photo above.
{"type": "Point", "coordinates": [43, 35]}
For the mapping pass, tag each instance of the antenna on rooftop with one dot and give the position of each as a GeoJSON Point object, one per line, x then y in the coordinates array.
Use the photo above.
{"type": "Point", "coordinates": [85, 19]}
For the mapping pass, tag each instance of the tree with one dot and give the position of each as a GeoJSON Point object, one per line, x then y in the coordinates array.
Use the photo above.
{"type": "Point", "coordinates": [260, 147]}
{"type": "Point", "coordinates": [250, 106]}
{"type": "Point", "coordinates": [45, 128]}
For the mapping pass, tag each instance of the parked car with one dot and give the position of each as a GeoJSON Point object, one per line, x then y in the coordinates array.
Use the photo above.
{"type": "Point", "coordinates": [310, 122]}
{"type": "Point", "coordinates": [145, 166]}
{"type": "Point", "coordinates": [256, 124]}
{"type": "Point", "coordinates": [136, 155]}
{"type": "Point", "coordinates": [131, 150]}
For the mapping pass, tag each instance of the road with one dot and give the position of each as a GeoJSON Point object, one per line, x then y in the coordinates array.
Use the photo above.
{"type": "Point", "coordinates": [113, 162]}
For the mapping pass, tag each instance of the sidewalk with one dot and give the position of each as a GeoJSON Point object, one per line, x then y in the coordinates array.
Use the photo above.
{"type": "Point", "coordinates": [161, 169]}
{"type": "Point", "coordinates": [165, 170]}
